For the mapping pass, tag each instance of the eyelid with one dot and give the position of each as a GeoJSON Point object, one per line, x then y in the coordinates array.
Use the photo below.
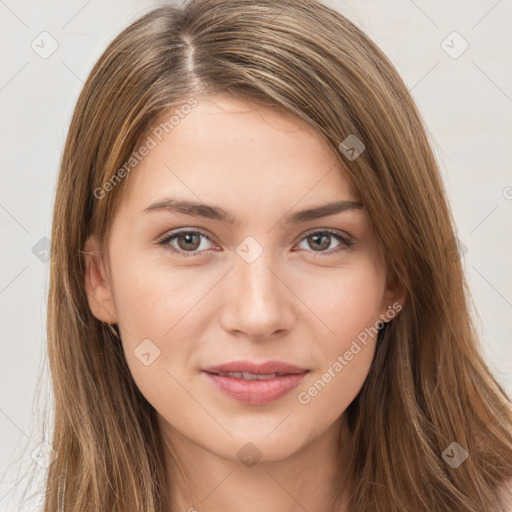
{"type": "Point", "coordinates": [347, 237]}
{"type": "Point", "coordinates": [177, 231]}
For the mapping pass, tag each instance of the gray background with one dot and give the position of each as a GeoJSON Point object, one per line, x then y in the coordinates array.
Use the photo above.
{"type": "Point", "coordinates": [465, 100]}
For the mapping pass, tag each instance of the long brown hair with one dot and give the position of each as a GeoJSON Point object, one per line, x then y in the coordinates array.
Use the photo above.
{"type": "Point", "coordinates": [428, 386]}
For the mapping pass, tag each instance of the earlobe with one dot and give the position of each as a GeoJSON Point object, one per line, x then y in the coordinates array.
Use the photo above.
{"type": "Point", "coordinates": [97, 287]}
{"type": "Point", "coordinates": [394, 300]}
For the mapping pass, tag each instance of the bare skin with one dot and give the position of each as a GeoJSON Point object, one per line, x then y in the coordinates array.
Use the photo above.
{"type": "Point", "coordinates": [303, 300]}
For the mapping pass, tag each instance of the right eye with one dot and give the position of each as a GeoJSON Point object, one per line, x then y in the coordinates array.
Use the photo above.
{"type": "Point", "coordinates": [188, 242]}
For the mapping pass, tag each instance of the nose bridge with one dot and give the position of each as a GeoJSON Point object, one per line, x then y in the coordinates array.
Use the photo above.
{"type": "Point", "coordinates": [256, 277]}
{"type": "Point", "coordinates": [253, 265]}
{"type": "Point", "coordinates": [259, 302]}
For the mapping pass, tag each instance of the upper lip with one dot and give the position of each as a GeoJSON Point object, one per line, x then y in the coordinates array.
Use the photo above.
{"type": "Point", "coordinates": [266, 368]}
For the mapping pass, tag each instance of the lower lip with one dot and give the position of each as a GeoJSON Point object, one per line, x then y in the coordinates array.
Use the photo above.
{"type": "Point", "coordinates": [256, 392]}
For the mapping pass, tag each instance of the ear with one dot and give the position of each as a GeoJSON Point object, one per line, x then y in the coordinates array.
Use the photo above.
{"type": "Point", "coordinates": [97, 287]}
{"type": "Point", "coordinates": [394, 298]}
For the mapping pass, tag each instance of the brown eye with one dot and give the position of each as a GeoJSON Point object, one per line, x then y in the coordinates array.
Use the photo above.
{"type": "Point", "coordinates": [188, 241]}
{"type": "Point", "coordinates": [320, 241]}
{"type": "Point", "coordinates": [184, 242]}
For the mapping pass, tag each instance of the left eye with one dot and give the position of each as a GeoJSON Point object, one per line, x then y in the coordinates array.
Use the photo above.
{"type": "Point", "coordinates": [322, 240]}
{"type": "Point", "coordinates": [190, 241]}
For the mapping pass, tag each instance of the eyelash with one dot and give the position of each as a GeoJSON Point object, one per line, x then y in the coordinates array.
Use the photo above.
{"type": "Point", "coordinates": [346, 242]}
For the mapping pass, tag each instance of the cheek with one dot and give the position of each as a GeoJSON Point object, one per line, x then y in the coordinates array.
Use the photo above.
{"type": "Point", "coordinates": [347, 299]}
{"type": "Point", "coordinates": [349, 304]}
{"type": "Point", "coordinates": [326, 396]}
{"type": "Point", "coordinates": [159, 309]}
{"type": "Point", "coordinates": [155, 339]}
{"type": "Point", "coordinates": [345, 360]}
{"type": "Point", "coordinates": [152, 297]}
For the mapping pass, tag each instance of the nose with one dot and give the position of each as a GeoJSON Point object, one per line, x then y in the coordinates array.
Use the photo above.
{"type": "Point", "coordinates": [258, 301]}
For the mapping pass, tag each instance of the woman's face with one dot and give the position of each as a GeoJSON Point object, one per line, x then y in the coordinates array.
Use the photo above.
{"type": "Point", "coordinates": [248, 279]}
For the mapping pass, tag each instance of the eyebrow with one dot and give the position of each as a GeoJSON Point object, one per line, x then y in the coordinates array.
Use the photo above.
{"type": "Point", "coordinates": [215, 213]}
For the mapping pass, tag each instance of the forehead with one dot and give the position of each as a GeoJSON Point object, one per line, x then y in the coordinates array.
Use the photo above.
{"type": "Point", "coordinates": [228, 150]}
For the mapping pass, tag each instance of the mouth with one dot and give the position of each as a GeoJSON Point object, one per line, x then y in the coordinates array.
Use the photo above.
{"type": "Point", "coordinates": [250, 376]}
{"type": "Point", "coordinates": [254, 384]}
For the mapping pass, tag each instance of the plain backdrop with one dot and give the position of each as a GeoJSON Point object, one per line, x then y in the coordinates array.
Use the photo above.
{"type": "Point", "coordinates": [455, 57]}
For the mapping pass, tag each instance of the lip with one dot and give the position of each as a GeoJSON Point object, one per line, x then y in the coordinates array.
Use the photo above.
{"type": "Point", "coordinates": [258, 369]}
{"type": "Point", "coordinates": [256, 392]}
